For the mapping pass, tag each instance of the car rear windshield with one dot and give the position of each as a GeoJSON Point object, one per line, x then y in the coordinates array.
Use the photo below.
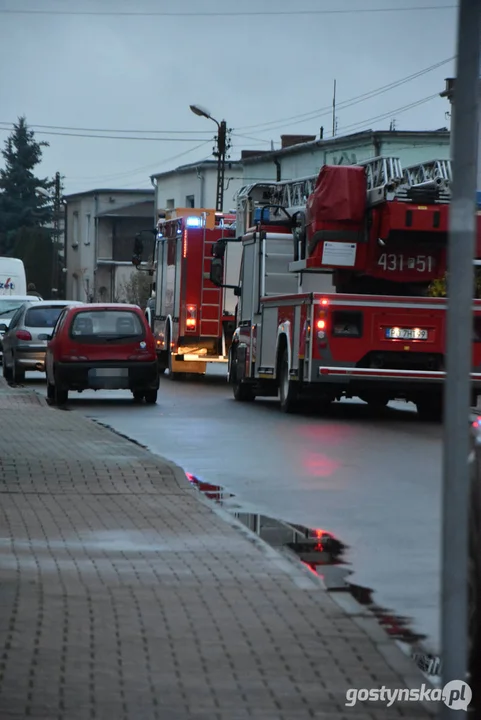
{"type": "Point", "coordinates": [104, 325]}
{"type": "Point", "coordinates": [8, 308]}
{"type": "Point", "coordinates": [42, 317]}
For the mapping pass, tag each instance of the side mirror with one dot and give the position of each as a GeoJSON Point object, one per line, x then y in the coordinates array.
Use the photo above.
{"type": "Point", "coordinates": [3, 327]}
{"type": "Point", "coordinates": [44, 336]}
{"type": "Point", "coordinates": [217, 271]}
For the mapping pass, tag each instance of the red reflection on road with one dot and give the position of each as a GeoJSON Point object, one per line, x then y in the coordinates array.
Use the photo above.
{"type": "Point", "coordinates": [320, 465]}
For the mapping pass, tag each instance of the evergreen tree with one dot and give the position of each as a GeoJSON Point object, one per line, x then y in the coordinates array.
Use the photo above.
{"type": "Point", "coordinates": [21, 206]}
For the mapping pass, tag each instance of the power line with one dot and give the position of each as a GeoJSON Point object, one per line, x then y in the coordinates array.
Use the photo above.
{"type": "Point", "coordinates": [237, 13]}
{"type": "Point", "coordinates": [112, 130]}
{"type": "Point", "coordinates": [311, 115]}
{"type": "Point", "coordinates": [113, 137]}
{"type": "Point", "coordinates": [349, 102]}
{"type": "Point", "coordinates": [138, 170]}
{"type": "Point", "coordinates": [396, 111]}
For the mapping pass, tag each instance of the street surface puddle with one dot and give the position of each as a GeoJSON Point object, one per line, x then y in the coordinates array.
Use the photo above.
{"type": "Point", "coordinates": [325, 555]}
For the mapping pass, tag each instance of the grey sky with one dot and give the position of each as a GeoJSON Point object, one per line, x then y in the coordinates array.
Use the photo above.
{"type": "Point", "coordinates": [141, 73]}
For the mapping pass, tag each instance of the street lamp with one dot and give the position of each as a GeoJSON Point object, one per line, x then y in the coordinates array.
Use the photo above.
{"type": "Point", "coordinates": [220, 152]}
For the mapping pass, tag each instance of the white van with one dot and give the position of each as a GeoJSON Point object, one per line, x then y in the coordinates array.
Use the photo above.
{"type": "Point", "coordinates": [13, 280]}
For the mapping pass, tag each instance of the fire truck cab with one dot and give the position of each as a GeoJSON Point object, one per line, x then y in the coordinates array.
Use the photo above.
{"type": "Point", "coordinates": [333, 287]}
{"type": "Point", "coordinates": [193, 320]}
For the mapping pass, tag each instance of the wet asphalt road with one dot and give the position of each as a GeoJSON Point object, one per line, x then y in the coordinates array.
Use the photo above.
{"type": "Point", "coordinates": [373, 480]}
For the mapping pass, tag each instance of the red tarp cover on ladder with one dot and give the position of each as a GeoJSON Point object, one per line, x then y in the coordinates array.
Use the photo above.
{"type": "Point", "coordinates": [336, 208]}
{"type": "Point", "coordinates": [340, 194]}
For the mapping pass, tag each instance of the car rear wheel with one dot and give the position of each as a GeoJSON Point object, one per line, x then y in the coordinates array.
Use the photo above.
{"type": "Point", "coordinates": [60, 395]}
{"type": "Point", "coordinates": [18, 374]}
{"type": "Point", "coordinates": [7, 372]}
{"type": "Point", "coordinates": [138, 396]}
{"type": "Point", "coordinates": [50, 393]}
{"type": "Point", "coordinates": [151, 397]}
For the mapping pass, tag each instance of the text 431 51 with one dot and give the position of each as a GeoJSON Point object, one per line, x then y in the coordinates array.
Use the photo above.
{"type": "Point", "coordinates": [397, 263]}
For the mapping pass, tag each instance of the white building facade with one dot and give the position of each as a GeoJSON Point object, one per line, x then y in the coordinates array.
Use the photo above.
{"type": "Point", "coordinates": [195, 185]}
{"type": "Point", "coordinates": [307, 158]}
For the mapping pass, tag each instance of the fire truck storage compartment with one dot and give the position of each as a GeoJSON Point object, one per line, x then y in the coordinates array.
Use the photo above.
{"type": "Point", "coordinates": [336, 208]}
{"type": "Point", "coordinates": [277, 279]}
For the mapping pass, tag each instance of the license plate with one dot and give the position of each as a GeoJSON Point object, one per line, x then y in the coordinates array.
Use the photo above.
{"type": "Point", "coordinates": [110, 372]}
{"type": "Point", "coordinates": [397, 333]}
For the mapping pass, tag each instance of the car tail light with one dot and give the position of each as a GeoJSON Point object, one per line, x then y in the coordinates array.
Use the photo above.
{"type": "Point", "coordinates": [23, 335]}
{"type": "Point", "coordinates": [191, 320]}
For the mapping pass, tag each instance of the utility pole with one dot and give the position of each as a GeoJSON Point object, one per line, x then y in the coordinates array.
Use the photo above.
{"type": "Point", "coordinates": [220, 153]}
{"type": "Point", "coordinates": [462, 234]}
{"type": "Point", "coordinates": [57, 199]}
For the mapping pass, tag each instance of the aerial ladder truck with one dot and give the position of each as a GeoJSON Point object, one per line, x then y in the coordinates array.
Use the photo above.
{"type": "Point", "coordinates": [334, 289]}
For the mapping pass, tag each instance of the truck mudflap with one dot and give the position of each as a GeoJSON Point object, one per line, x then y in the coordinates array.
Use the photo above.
{"type": "Point", "coordinates": [380, 374]}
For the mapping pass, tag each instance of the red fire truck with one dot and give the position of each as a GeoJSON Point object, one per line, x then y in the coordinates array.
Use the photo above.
{"type": "Point", "coordinates": [192, 319]}
{"type": "Point", "coordinates": [333, 290]}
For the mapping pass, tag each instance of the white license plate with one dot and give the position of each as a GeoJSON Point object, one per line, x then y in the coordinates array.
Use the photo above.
{"type": "Point", "coordinates": [397, 333]}
{"type": "Point", "coordinates": [110, 372]}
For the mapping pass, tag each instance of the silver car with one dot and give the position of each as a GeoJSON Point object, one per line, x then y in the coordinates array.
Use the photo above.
{"type": "Point", "coordinates": [25, 340]}
{"type": "Point", "coordinates": [9, 304]}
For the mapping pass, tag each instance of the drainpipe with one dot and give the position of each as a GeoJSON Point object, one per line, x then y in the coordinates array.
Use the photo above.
{"type": "Point", "coordinates": [376, 145]}
{"type": "Point", "coordinates": [153, 180]}
{"type": "Point", "coordinates": [278, 170]}
{"type": "Point", "coordinates": [202, 187]}
{"type": "Point", "coordinates": [96, 248]}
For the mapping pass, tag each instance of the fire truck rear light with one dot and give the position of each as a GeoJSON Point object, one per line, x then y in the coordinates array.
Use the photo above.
{"type": "Point", "coordinates": [324, 301]}
{"type": "Point", "coordinates": [191, 319]}
{"type": "Point", "coordinates": [321, 324]}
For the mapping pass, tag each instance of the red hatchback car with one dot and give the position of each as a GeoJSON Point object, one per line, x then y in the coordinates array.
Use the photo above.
{"type": "Point", "coordinates": [100, 346]}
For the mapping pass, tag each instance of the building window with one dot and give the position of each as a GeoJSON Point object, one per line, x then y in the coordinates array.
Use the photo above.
{"type": "Point", "coordinates": [75, 237]}
{"type": "Point", "coordinates": [87, 229]}
{"type": "Point", "coordinates": [170, 204]}
{"type": "Point", "coordinates": [190, 201]}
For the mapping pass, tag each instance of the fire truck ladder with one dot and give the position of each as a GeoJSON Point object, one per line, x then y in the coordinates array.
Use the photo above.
{"type": "Point", "coordinates": [210, 314]}
{"type": "Point", "coordinates": [435, 174]}
{"type": "Point", "coordinates": [386, 180]}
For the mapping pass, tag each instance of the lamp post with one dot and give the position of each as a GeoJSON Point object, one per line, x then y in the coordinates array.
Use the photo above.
{"type": "Point", "coordinates": [220, 152]}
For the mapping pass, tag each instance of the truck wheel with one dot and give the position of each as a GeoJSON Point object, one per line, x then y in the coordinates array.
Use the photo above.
{"type": "Point", "coordinates": [430, 407]}
{"type": "Point", "coordinates": [138, 396]}
{"type": "Point", "coordinates": [242, 391]}
{"type": "Point", "coordinates": [287, 388]}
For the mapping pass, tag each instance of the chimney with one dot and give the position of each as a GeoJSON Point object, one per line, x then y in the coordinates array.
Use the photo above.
{"type": "Point", "coordinates": [252, 153]}
{"type": "Point", "coordinates": [289, 140]}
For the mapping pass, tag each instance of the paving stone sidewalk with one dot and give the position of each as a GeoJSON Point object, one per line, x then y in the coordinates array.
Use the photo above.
{"type": "Point", "coordinates": [123, 596]}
